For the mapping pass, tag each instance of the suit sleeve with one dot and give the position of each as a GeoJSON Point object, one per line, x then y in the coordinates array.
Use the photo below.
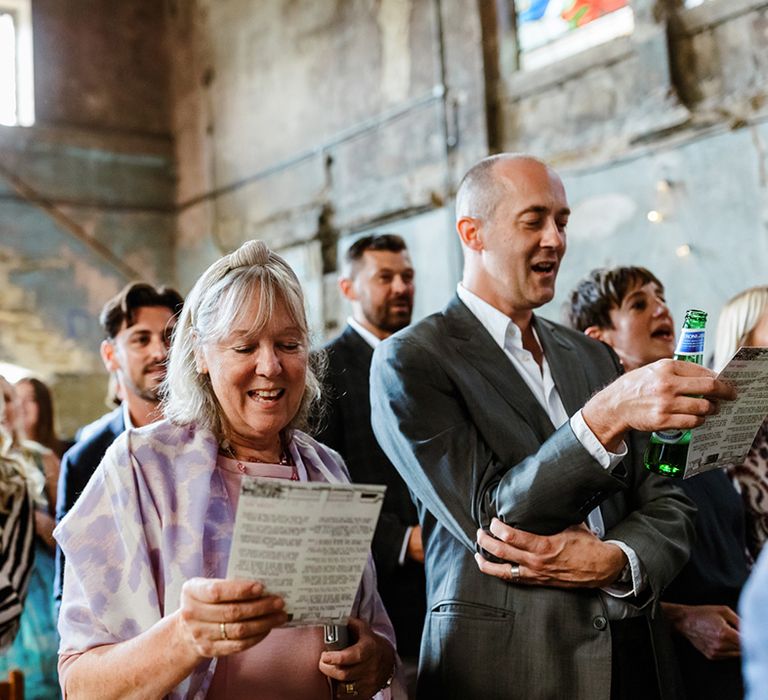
{"type": "Point", "coordinates": [660, 524]}
{"type": "Point", "coordinates": [65, 499]}
{"type": "Point", "coordinates": [427, 428]}
{"type": "Point", "coordinates": [69, 488]}
{"type": "Point", "coordinates": [390, 529]}
{"type": "Point", "coordinates": [331, 429]}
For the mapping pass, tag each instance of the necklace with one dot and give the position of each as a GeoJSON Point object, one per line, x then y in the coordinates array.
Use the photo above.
{"type": "Point", "coordinates": [284, 460]}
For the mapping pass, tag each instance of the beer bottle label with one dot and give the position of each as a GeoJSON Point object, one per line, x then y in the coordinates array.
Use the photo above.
{"type": "Point", "coordinates": [691, 342]}
{"type": "Point", "coordinates": [669, 437]}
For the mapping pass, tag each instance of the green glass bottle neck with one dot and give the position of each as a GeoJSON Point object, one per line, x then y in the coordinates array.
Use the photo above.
{"type": "Point", "coordinates": [695, 319]}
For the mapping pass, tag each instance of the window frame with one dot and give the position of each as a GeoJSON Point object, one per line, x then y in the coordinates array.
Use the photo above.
{"type": "Point", "coordinates": [560, 55]}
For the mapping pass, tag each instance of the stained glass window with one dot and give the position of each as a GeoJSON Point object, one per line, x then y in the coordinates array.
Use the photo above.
{"type": "Point", "coordinates": [549, 30]}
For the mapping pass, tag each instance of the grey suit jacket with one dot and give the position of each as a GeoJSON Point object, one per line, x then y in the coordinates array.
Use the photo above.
{"type": "Point", "coordinates": [472, 442]}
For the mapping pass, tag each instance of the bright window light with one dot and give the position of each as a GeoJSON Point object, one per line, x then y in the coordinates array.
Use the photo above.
{"type": "Point", "coordinates": [16, 87]}
{"type": "Point", "coordinates": [14, 372]}
{"type": "Point", "coordinates": [8, 108]}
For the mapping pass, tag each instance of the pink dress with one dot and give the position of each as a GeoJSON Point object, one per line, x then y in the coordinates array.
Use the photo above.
{"type": "Point", "coordinates": [284, 665]}
{"type": "Point", "coordinates": [155, 514]}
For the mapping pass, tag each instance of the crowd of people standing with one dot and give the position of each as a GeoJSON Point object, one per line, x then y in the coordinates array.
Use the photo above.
{"type": "Point", "coordinates": [523, 550]}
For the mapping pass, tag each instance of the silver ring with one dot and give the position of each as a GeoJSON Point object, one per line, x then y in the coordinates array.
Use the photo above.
{"type": "Point", "coordinates": [223, 630]}
{"type": "Point", "coordinates": [349, 688]}
{"type": "Point", "coordinates": [514, 572]}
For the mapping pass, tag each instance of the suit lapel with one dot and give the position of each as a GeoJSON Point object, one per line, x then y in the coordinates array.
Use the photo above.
{"type": "Point", "coordinates": [475, 344]}
{"type": "Point", "coordinates": [357, 350]}
{"type": "Point", "coordinates": [117, 424]}
{"type": "Point", "coordinates": [564, 364]}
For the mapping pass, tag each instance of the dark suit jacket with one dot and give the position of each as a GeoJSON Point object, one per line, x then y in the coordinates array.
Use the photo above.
{"type": "Point", "coordinates": [472, 442]}
{"type": "Point", "coordinates": [77, 467]}
{"type": "Point", "coordinates": [347, 429]}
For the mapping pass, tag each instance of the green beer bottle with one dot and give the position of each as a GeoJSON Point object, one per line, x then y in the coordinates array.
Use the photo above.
{"type": "Point", "coordinates": [667, 450]}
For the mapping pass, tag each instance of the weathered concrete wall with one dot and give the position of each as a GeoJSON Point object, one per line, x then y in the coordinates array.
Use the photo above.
{"type": "Point", "coordinates": [721, 60]}
{"type": "Point", "coordinates": [317, 121]}
{"type": "Point", "coordinates": [671, 119]}
{"type": "Point", "coordinates": [309, 122]}
{"type": "Point", "coordinates": [322, 119]}
{"type": "Point", "coordinates": [711, 193]}
{"type": "Point", "coordinates": [101, 64]}
{"type": "Point", "coordinates": [87, 194]}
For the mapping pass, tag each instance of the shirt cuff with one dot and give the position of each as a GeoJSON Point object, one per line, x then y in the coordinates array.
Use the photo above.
{"type": "Point", "coordinates": [404, 547]}
{"type": "Point", "coordinates": [607, 460]}
{"type": "Point", "coordinates": [632, 585]}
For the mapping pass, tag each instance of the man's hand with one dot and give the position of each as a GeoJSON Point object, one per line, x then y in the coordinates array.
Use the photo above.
{"type": "Point", "coordinates": [364, 666]}
{"type": "Point", "coordinates": [573, 558]}
{"type": "Point", "coordinates": [415, 549]}
{"type": "Point", "coordinates": [667, 394]}
{"type": "Point", "coordinates": [712, 629]}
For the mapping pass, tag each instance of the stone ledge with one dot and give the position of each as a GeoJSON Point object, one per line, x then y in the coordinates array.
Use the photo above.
{"type": "Point", "coordinates": [712, 13]}
{"type": "Point", "coordinates": [523, 83]}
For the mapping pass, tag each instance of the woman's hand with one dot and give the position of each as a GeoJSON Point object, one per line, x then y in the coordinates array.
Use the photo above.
{"type": "Point", "coordinates": [712, 629]}
{"type": "Point", "coordinates": [219, 617]}
{"type": "Point", "coordinates": [44, 525]}
{"type": "Point", "coordinates": [363, 668]}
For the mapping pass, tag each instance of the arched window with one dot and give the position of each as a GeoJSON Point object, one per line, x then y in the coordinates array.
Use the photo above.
{"type": "Point", "coordinates": [16, 86]}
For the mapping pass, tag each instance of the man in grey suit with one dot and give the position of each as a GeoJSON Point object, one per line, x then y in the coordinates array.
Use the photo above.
{"type": "Point", "coordinates": [495, 416]}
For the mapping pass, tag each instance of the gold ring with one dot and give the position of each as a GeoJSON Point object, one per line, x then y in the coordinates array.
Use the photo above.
{"type": "Point", "coordinates": [349, 688]}
{"type": "Point", "coordinates": [223, 630]}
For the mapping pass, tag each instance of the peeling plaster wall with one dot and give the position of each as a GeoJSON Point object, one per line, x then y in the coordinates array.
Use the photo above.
{"type": "Point", "coordinates": [94, 174]}
{"type": "Point", "coordinates": [309, 122]}
{"type": "Point", "coordinates": [671, 119]}
{"type": "Point", "coordinates": [714, 201]}
{"type": "Point", "coordinates": [101, 64]}
{"type": "Point", "coordinates": [318, 120]}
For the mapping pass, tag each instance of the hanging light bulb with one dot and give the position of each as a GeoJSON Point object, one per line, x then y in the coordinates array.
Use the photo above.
{"type": "Point", "coordinates": [654, 216]}
{"type": "Point", "coordinates": [683, 251]}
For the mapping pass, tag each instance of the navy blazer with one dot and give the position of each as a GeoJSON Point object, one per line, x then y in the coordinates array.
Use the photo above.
{"type": "Point", "coordinates": [77, 467]}
{"type": "Point", "coordinates": [347, 429]}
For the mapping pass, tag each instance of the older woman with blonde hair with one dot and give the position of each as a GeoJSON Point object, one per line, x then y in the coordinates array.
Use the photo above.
{"type": "Point", "coordinates": [147, 610]}
{"type": "Point", "coordinates": [744, 321]}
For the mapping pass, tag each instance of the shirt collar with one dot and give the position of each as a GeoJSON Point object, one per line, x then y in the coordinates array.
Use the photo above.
{"type": "Point", "coordinates": [126, 416]}
{"type": "Point", "coordinates": [364, 333]}
{"type": "Point", "coordinates": [504, 331]}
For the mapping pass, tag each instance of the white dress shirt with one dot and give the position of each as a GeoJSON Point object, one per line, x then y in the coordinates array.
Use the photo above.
{"type": "Point", "coordinates": [507, 335]}
{"type": "Point", "coordinates": [126, 416]}
{"type": "Point", "coordinates": [364, 333]}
